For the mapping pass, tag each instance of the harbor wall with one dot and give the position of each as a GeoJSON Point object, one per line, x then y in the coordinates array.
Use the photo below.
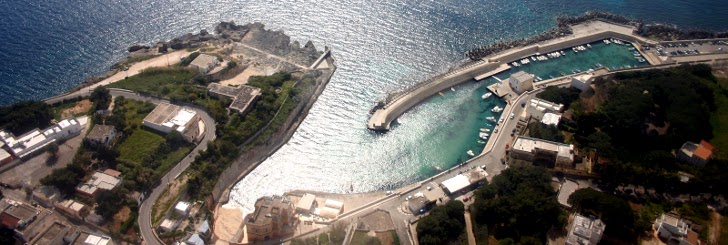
{"type": "Point", "coordinates": [391, 112]}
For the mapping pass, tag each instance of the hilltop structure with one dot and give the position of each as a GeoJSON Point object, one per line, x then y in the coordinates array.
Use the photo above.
{"type": "Point", "coordinates": [585, 231]}
{"type": "Point", "coordinates": [243, 96]}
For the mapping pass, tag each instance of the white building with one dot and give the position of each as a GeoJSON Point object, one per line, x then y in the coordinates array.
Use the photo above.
{"type": "Point", "coordinates": [530, 149]}
{"type": "Point", "coordinates": [670, 226]}
{"type": "Point", "coordinates": [537, 108]}
{"type": "Point", "coordinates": [167, 117]}
{"type": "Point", "coordinates": [36, 140]}
{"type": "Point", "coordinates": [306, 203]}
{"type": "Point", "coordinates": [204, 63]}
{"type": "Point", "coordinates": [101, 135]}
{"type": "Point", "coordinates": [463, 181]}
{"type": "Point", "coordinates": [582, 82]}
{"type": "Point", "coordinates": [585, 231]}
{"type": "Point", "coordinates": [168, 225]}
{"type": "Point", "coordinates": [551, 119]}
{"type": "Point", "coordinates": [108, 180]}
{"type": "Point", "coordinates": [182, 208]}
{"type": "Point", "coordinates": [521, 82]}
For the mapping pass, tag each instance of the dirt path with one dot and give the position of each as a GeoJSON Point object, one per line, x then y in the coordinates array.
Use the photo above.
{"type": "Point", "coordinates": [469, 228]}
{"type": "Point", "coordinates": [714, 228]}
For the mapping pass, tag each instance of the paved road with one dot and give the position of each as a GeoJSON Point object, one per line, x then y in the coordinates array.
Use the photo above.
{"type": "Point", "coordinates": [145, 210]}
{"type": "Point", "coordinates": [490, 159]}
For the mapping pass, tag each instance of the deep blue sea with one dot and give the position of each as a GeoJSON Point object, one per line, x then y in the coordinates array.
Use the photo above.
{"type": "Point", "coordinates": [47, 47]}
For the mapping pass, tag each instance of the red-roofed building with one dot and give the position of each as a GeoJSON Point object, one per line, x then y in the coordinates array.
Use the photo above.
{"type": "Point", "coordinates": [697, 154]}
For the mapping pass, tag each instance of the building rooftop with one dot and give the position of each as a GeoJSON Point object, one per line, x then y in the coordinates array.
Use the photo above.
{"type": "Point", "coordinates": [583, 77]}
{"type": "Point", "coordinates": [17, 214]}
{"type": "Point", "coordinates": [203, 60]}
{"type": "Point", "coordinates": [204, 227]}
{"type": "Point", "coordinates": [99, 131]}
{"type": "Point", "coordinates": [528, 144]}
{"type": "Point", "coordinates": [170, 116]}
{"type": "Point", "coordinates": [551, 119]}
{"type": "Point", "coordinates": [195, 239]}
{"type": "Point", "coordinates": [544, 105]}
{"type": "Point", "coordinates": [182, 207]}
{"type": "Point", "coordinates": [585, 231]}
{"type": "Point", "coordinates": [242, 96]}
{"type": "Point", "coordinates": [99, 180]}
{"type": "Point", "coordinates": [521, 76]}
{"type": "Point", "coordinates": [703, 150]}
{"type": "Point", "coordinates": [306, 202]}
{"type": "Point", "coordinates": [52, 233]}
{"type": "Point", "coordinates": [456, 183]}
{"type": "Point", "coordinates": [266, 208]}
{"type": "Point", "coordinates": [4, 154]}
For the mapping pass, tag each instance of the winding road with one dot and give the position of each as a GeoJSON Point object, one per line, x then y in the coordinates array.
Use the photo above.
{"type": "Point", "coordinates": [145, 210]}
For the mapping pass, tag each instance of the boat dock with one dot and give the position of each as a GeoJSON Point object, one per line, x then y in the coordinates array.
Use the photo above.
{"type": "Point", "coordinates": [501, 68]}
{"type": "Point", "coordinates": [501, 89]}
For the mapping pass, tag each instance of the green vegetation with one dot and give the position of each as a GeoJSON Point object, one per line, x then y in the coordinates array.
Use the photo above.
{"type": "Point", "coordinates": [559, 95]}
{"type": "Point", "coordinates": [101, 98]}
{"type": "Point", "coordinates": [238, 129]}
{"type": "Point", "coordinates": [699, 214]}
{"type": "Point", "coordinates": [443, 225]}
{"type": "Point", "coordinates": [546, 132]}
{"type": "Point", "coordinates": [518, 204]}
{"type": "Point", "coordinates": [361, 238]}
{"type": "Point", "coordinates": [22, 117]}
{"type": "Point", "coordinates": [65, 179]}
{"type": "Point", "coordinates": [169, 82]}
{"type": "Point", "coordinates": [613, 211]}
{"type": "Point", "coordinates": [109, 202]}
{"type": "Point", "coordinates": [335, 236]}
{"type": "Point", "coordinates": [647, 115]}
{"type": "Point", "coordinates": [140, 145]}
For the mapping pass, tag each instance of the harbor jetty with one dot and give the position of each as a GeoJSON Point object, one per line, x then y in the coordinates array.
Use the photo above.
{"type": "Point", "coordinates": [578, 34]}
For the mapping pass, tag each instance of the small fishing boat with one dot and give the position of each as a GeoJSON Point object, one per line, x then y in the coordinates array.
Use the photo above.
{"type": "Point", "coordinates": [452, 88]}
{"type": "Point", "coordinates": [441, 94]}
{"type": "Point", "coordinates": [486, 95]}
{"type": "Point", "coordinates": [492, 119]}
{"type": "Point", "coordinates": [484, 130]}
{"type": "Point", "coordinates": [481, 142]}
{"type": "Point", "coordinates": [470, 153]}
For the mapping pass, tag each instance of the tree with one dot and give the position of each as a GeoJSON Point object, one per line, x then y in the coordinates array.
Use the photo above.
{"type": "Point", "coordinates": [613, 211]}
{"type": "Point", "coordinates": [546, 132]}
{"type": "Point", "coordinates": [442, 224]}
{"type": "Point", "coordinates": [559, 95]}
{"type": "Point", "coordinates": [65, 179]}
{"type": "Point", "coordinates": [22, 117]}
{"type": "Point", "coordinates": [109, 202]}
{"type": "Point", "coordinates": [101, 97]}
{"type": "Point", "coordinates": [519, 202]}
{"type": "Point", "coordinates": [53, 153]}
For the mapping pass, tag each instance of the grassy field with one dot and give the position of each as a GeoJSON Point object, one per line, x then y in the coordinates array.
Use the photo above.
{"type": "Point", "coordinates": [140, 144]}
{"type": "Point", "coordinates": [161, 82]}
{"type": "Point", "coordinates": [361, 238]}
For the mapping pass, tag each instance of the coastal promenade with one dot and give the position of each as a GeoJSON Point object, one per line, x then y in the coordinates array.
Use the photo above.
{"type": "Point", "coordinates": [587, 32]}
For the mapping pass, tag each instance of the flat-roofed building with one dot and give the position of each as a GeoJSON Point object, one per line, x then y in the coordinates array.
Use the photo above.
{"type": "Point", "coordinates": [101, 135]}
{"type": "Point", "coordinates": [521, 82]}
{"type": "Point", "coordinates": [306, 203]}
{"type": "Point", "coordinates": [532, 149]}
{"type": "Point", "coordinates": [671, 227]}
{"type": "Point", "coordinates": [551, 119]}
{"type": "Point", "coordinates": [35, 140]}
{"type": "Point", "coordinates": [46, 195]}
{"type": "Point", "coordinates": [169, 225]}
{"type": "Point", "coordinates": [17, 215]}
{"type": "Point", "coordinates": [72, 208]}
{"type": "Point", "coordinates": [182, 208]}
{"type": "Point", "coordinates": [42, 221]}
{"type": "Point", "coordinates": [204, 63]}
{"type": "Point", "coordinates": [107, 180]}
{"type": "Point", "coordinates": [242, 96]}
{"type": "Point", "coordinates": [88, 238]}
{"type": "Point", "coordinates": [582, 82]}
{"type": "Point", "coordinates": [697, 154]}
{"type": "Point", "coordinates": [273, 217]}
{"type": "Point", "coordinates": [585, 231]}
{"type": "Point", "coordinates": [5, 156]}
{"type": "Point", "coordinates": [331, 209]}
{"type": "Point", "coordinates": [462, 182]}
{"type": "Point", "coordinates": [53, 235]}
{"type": "Point", "coordinates": [537, 108]}
{"type": "Point", "coordinates": [168, 117]}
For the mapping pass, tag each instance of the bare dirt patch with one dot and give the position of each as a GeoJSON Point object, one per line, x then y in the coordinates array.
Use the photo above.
{"type": "Point", "coordinates": [120, 218]}
{"type": "Point", "coordinates": [165, 201]}
{"type": "Point", "coordinates": [386, 237]}
{"type": "Point", "coordinates": [81, 107]}
{"type": "Point", "coordinates": [243, 77]}
{"type": "Point", "coordinates": [714, 228]}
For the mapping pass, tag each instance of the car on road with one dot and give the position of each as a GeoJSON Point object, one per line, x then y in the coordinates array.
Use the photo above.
{"type": "Point", "coordinates": [506, 146]}
{"type": "Point", "coordinates": [500, 121]}
{"type": "Point", "coordinates": [429, 188]}
{"type": "Point", "coordinates": [512, 115]}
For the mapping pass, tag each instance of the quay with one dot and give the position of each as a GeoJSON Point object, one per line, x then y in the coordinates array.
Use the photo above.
{"type": "Point", "coordinates": [588, 32]}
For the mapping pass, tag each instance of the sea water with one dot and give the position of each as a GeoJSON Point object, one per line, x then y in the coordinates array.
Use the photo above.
{"type": "Point", "coordinates": [380, 46]}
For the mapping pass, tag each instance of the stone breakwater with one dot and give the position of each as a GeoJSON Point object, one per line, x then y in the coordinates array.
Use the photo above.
{"type": "Point", "coordinates": [657, 31]}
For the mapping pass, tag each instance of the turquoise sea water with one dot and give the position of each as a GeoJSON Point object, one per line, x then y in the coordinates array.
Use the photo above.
{"type": "Point", "coordinates": [49, 46]}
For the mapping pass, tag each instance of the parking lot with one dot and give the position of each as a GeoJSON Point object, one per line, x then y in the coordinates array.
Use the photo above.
{"type": "Point", "coordinates": [691, 48]}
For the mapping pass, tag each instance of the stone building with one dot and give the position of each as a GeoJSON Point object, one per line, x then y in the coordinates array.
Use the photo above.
{"type": "Point", "coordinates": [273, 217]}
{"type": "Point", "coordinates": [532, 149]}
{"type": "Point", "coordinates": [521, 82]}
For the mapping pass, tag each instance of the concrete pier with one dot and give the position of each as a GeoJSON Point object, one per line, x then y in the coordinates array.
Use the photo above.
{"type": "Point", "coordinates": [587, 32]}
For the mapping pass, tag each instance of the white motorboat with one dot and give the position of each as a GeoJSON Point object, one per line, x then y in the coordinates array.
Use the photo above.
{"type": "Point", "coordinates": [484, 130]}
{"type": "Point", "coordinates": [497, 109]}
{"type": "Point", "coordinates": [492, 119]}
{"type": "Point", "coordinates": [487, 95]}
{"type": "Point", "coordinates": [470, 153]}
